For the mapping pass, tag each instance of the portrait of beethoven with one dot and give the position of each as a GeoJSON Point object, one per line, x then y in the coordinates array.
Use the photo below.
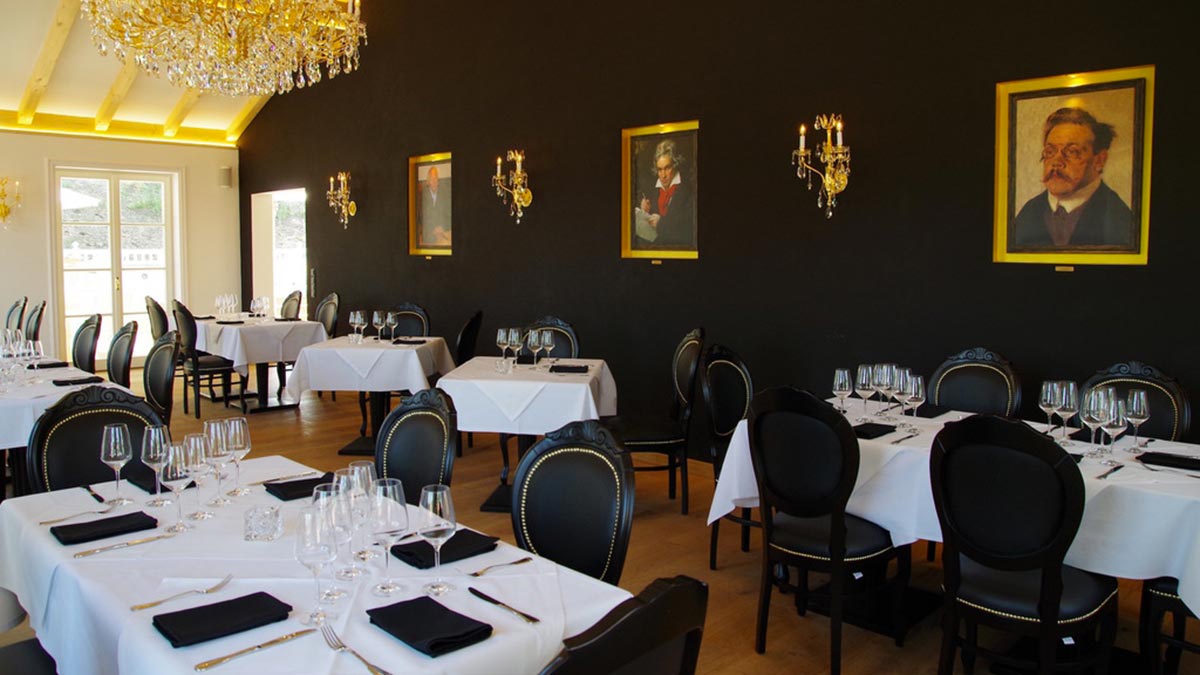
{"type": "Point", "coordinates": [1075, 182]}
{"type": "Point", "coordinates": [430, 204]}
{"type": "Point", "coordinates": [659, 218]}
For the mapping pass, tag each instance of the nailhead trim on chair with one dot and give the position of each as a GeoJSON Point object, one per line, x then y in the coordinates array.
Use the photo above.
{"type": "Point", "coordinates": [50, 434]}
{"type": "Point", "coordinates": [445, 440]}
{"type": "Point", "coordinates": [811, 556]}
{"type": "Point", "coordinates": [937, 387]}
{"type": "Point", "coordinates": [1034, 619]}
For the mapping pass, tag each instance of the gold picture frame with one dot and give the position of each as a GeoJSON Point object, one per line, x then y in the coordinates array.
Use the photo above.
{"type": "Point", "coordinates": [430, 207]}
{"type": "Point", "coordinates": [1073, 168]}
{"type": "Point", "coordinates": [667, 226]}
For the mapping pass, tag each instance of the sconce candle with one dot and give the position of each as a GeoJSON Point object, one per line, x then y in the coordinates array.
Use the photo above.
{"type": "Point", "coordinates": [339, 199]}
{"type": "Point", "coordinates": [802, 137]}
{"type": "Point", "coordinates": [516, 187]}
{"type": "Point", "coordinates": [836, 159]}
{"type": "Point", "coordinates": [7, 206]}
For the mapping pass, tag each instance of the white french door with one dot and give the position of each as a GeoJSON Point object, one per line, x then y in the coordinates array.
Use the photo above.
{"type": "Point", "coordinates": [114, 237]}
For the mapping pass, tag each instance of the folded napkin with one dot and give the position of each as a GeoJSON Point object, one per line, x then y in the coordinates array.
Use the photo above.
{"type": "Point", "coordinates": [1170, 460]}
{"type": "Point", "coordinates": [144, 478]}
{"type": "Point", "coordinates": [81, 533]}
{"type": "Point", "coordinates": [428, 626]}
{"type": "Point", "coordinates": [929, 411]}
{"type": "Point", "coordinates": [204, 318]}
{"type": "Point", "coordinates": [43, 365]}
{"type": "Point", "coordinates": [464, 544]}
{"type": "Point", "coordinates": [70, 382]}
{"type": "Point", "coordinates": [871, 430]}
{"type": "Point", "coordinates": [230, 323]}
{"type": "Point", "coordinates": [568, 369]}
{"type": "Point", "coordinates": [1077, 457]}
{"type": "Point", "coordinates": [288, 319]}
{"type": "Point", "coordinates": [201, 624]}
{"type": "Point", "coordinates": [297, 489]}
{"type": "Point", "coordinates": [406, 341]}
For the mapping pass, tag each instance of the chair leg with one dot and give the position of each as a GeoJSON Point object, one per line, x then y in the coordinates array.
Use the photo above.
{"type": "Point", "coordinates": [470, 439]}
{"type": "Point", "coordinates": [972, 641]}
{"type": "Point", "coordinates": [764, 604]}
{"type": "Point", "coordinates": [931, 552]}
{"type": "Point", "coordinates": [802, 591]}
{"type": "Point", "coordinates": [837, 579]}
{"type": "Point", "coordinates": [1047, 646]}
{"type": "Point", "coordinates": [226, 387]}
{"type": "Point", "coordinates": [1171, 667]}
{"type": "Point", "coordinates": [1108, 635]}
{"type": "Point", "coordinates": [242, 395]}
{"type": "Point", "coordinates": [712, 544]}
{"type": "Point", "coordinates": [185, 393]}
{"type": "Point", "coordinates": [459, 448]}
{"type": "Point", "coordinates": [949, 640]}
{"type": "Point", "coordinates": [683, 482]}
{"type": "Point", "coordinates": [333, 395]}
{"type": "Point", "coordinates": [900, 588]}
{"type": "Point", "coordinates": [362, 409]}
{"type": "Point", "coordinates": [281, 374]}
{"type": "Point", "coordinates": [746, 513]}
{"type": "Point", "coordinates": [671, 459]}
{"type": "Point", "coordinates": [196, 392]}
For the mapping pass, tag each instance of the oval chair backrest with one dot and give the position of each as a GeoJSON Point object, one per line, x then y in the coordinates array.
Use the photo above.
{"type": "Point", "coordinates": [468, 339]}
{"type": "Point", "coordinates": [83, 347]}
{"type": "Point", "coordinates": [1170, 409]}
{"type": "Point", "coordinates": [158, 318]}
{"type": "Point", "coordinates": [728, 390]}
{"type": "Point", "coordinates": [16, 314]}
{"type": "Point", "coordinates": [327, 314]}
{"type": "Point", "coordinates": [684, 367]}
{"type": "Point", "coordinates": [411, 320]}
{"type": "Point", "coordinates": [418, 441]}
{"type": "Point", "coordinates": [64, 446]}
{"type": "Point", "coordinates": [573, 500]}
{"type": "Point", "coordinates": [33, 325]}
{"type": "Point", "coordinates": [290, 309]}
{"type": "Point", "coordinates": [120, 354]}
{"type": "Point", "coordinates": [158, 374]}
{"type": "Point", "coordinates": [185, 323]}
{"type": "Point", "coordinates": [566, 342]}
{"type": "Point", "coordinates": [976, 380]}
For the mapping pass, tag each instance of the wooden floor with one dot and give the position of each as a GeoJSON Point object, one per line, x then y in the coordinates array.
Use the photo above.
{"type": "Point", "coordinates": [664, 543]}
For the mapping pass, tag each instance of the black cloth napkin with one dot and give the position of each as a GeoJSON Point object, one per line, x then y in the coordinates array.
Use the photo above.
{"type": "Point", "coordinates": [288, 319]}
{"type": "Point", "coordinates": [1077, 457]}
{"type": "Point", "coordinates": [201, 624]}
{"type": "Point", "coordinates": [405, 341]}
{"type": "Point", "coordinates": [1168, 459]}
{"type": "Point", "coordinates": [230, 323]}
{"type": "Point", "coordinates": [144, 478]}
{"type": "Point", "coordinates": [428, 626]}
{"type": "Point", "coordinates": [929, 411]}
{"type": "Point", "coordinates": [568, 369]}
{"type": "Point", "coordinates": [81, 533]}
{"type": "Point", "coordinates": [870, 430]}
{"type": "Point", "coordinates": [43, 365]}
{"type": "Point", "coordinates": [464, 544]}
{"type": "Point", "coordinates": [204, 318]}
{"type": "Point", "coordinates": [297, 489]}
{"type": "Point", "coordinates": [91, 379]}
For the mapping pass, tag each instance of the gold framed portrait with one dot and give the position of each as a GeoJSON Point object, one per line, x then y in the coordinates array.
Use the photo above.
{"type": "Point", "coordinates": [1073, 168]}
{"type": "Point", "coordinates": [658, 191]}
{"type": "Point", "coordinates": [430, 214]}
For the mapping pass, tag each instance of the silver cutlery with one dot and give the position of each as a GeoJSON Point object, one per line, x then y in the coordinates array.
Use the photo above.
{"type": "Point", "coordinates": [335, 643]}
{"type": "Point", "coordinates": [282, 478]}
{"type": "Point", "coordinates": [905, 438]}
{"type": "Point", "coordinates": [1171, 470]}
{"type": "Point", "coordinates": [124, 544]}
{"type": "Point", "coordinates": [522, 561]}
{"type": "Point", "coordinates": [529, 618]}
{"type": "Point", "coordinates": [205, 665]}
{"type": "Point", "coordinates": [1110, 472]}
{"type": "Point", "coordinates": [98, 512]}
{"type": "Point", "coordinates": [95, 495]}
{"type": "Point", "coordinates": [196, 591]}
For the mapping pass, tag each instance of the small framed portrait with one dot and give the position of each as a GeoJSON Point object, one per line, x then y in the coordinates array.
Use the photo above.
{"type": "Point", "coordinates": [1073, 168]}
{"type": "Point", "coordinates": [658, 191]}
{"type": "Point", "coordinates": [430, 219]}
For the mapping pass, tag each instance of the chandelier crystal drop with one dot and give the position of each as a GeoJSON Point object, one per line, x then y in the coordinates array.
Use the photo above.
{"type": "Point", "coordinates": [232, 47]}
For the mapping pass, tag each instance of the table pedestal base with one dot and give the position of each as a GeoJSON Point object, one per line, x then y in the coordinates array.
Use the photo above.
{"type": "Point", "coordinates": [381, 403]}
{"type": "Point", "coordinates": [363, 445]}
{"type": "Point", "coordinates": [500, 500]}
{"type": "Point", "coordinates": [1122, 661]}
{"type": "Point", "coordinates": [873, 611]}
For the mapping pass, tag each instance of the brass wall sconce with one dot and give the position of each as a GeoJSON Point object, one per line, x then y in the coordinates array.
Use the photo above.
{"type": "Point", "coordinates": [6, 206]}
{"type": "Point", "coordinates": [835, 157]}
{"type": "Point", "coordinates": [515, 185]}
{"type": "Point", "coordinates": [339, 199]}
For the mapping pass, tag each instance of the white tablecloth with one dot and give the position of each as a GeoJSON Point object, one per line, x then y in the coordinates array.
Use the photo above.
{"type": "Point", "coordinates": [21, 405]}
{"type": "Point", "coordinates": [1137, 524]}
{"type": "Point", "coordinates": [257, 340]}
{"type": "Point", "coordinates": [80, 608]}
{"type": "Point", "coordinates": [528, 400]}
{"type": "Point", "coordinates": [339, 365]}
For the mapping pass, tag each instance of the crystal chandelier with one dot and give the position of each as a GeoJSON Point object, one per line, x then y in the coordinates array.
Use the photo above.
{"type": "Point", "coordinates": [232, 47]}
{"type": "Point", "coordinates": [836, 159]}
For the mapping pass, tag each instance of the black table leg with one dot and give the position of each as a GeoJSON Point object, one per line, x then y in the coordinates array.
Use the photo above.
{"type": "Point", "coordinates": [500, 501]}
{"type": "Point", "coordinates": [381, 404]}
{"type": "Point", "coordinates": [263, 403]}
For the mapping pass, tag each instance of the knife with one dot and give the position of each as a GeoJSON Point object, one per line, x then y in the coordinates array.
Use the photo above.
{"type": "Point", "coordinates": [905, 438]}
{"type": "Point", "coordinates": [1110, 472]}
{"type": "Point", "coordinates": [124, 544]}
{"type": "Point", "coordinates": [487, 598]}
{"type": "Point", "coordinates": [95, 495]}
{"type": "Point", "coordinates": [205, 665]}
{"type": "Point", "coordinates": [281, 478]}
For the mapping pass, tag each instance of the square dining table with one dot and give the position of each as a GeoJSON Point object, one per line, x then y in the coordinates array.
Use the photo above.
{"type": "Point", "coordinates": [258, 341]}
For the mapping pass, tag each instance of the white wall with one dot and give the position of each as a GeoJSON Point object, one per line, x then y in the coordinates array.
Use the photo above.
{"type": "Point", "coordinates": [211, 261]}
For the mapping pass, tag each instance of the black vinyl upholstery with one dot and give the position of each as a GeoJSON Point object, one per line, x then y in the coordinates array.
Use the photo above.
{"type": "Point", "coordinates": [33, 324]}
{"type": "Point", "coordinates": [64, 446]}
{"type": "Point", "coordinates": [1161, 597]}
{"type": "Point", "coordinates": [158, 318]}
{"type": "Point", "coordinates": [573, 500]}
{"type": "Point", "coordinates": [468, 339]}
{"type": "Point", "coordinates": [290, 309]}
{"type": "Point", "coordinates": [1170, 408]}
{"type": "Point", "coordinates": [197, 364]}
{"type": "Point", "coordinates": [16, 314]}
{"type": "Point", "coordinates": [411, 320]}
{"type": "Point", "coordinates": [327, 314]}
{"type": "Point", "coordinates": [83, 347]}
{"type": "Point", "coordinates": [120, 354]}
{"type": "Point", "coordinates": [976, 380]}
{"type": "Point", "coordinates": [417, 442]}
{"type": "Point", "coordinates": [1009, 501]}
{"type": "Point", "coordinates": [727, 389]}
{"type": "Point", "coordinates": [26, 658]}
{"type": "Point", "coordinates": [657, 632]}
{"type": "Point", "coordinates": [158, 374]}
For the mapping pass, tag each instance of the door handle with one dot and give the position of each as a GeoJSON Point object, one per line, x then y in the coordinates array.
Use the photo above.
{"type": "Point", "coordinates": [118, 282]}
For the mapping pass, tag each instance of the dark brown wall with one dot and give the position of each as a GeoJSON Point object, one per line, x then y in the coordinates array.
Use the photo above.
{"type": "Point", "coordinates": [902, 272]}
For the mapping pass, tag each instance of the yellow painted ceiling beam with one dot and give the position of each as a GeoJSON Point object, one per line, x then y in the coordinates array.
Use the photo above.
{"type": "Point", "coordinates": [116, 94]}
{"type": "Point", "coordinates": [67, 125]}
{"type": "Point", "coordinates": [43, 69]}
{"type": "Point", "coordinates": [180, 112]}
{"type": "Point", "coordinates": [244, 116]}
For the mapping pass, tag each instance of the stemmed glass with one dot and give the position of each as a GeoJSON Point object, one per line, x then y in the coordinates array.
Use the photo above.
{"type": "Point", "coordinates": [1049, 401]}
{"type": "Point", "coordinates": [1137, 411]}
{"type": "Point", "coordinates": [155, 441]}
{"type": "Point", "coordinates": [534, 340]}
{"type": "Point", "coordinates": [198, 468]}
{"type": "Point", "coordinates": [881, 381]}
{"type": "Point", "coordinates": [389, 520]}
{"type": "Point", "coordinates": [378, 320]}
{"type": "Point", "coordinates": [316, 547]}
{"type": "Point", "coordinates": [1068, 406]}
{"type": "Point", "coordinates": [901, 389]}
{"type": "Point", "coordinates": [502, 342]}
{"type": "Point", "coordinates": [1095, 413]}
{"type": "Point", "coordinates": [514, 343]}
{"type": "Point", "coordinates": [358, 479]}
{"type": "Point", "coordinates": [864, 387]}
{"type": "Point", "coordinates": [842, 387]}
{"type": "Point", "coordinates": [237, 439]}
{"type": "Point", "coordinates": [548, 343]}
{"type": "Point", "coordinates": [333, 504]}
{"type": "Point", "coordinates": [217, 455]}
{"type": "Point", "coordinates": [115, 451]}
{"type": "Point", "coordinates": [391, 321]}
{"type": "Point", "coordinates": [175, 476]}
{"type": "Point", "coordinates": [437, 526]}
{"type": "Point", "coordinates": [916, 394]}
{"type": "Point", "coordinates": [1117, 423]}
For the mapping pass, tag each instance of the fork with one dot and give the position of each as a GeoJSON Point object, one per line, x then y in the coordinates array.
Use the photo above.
{"type": "Point", "coordinates": [335, 643]}
{"type": "Point", "coordinates": [521, 561]}
{"type": "Point", "coordinates": [98, 512]}
{"type": "Point", "coordinates": [197, 591]}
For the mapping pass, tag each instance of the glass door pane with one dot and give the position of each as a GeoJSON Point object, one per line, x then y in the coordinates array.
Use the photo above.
{"type": "Point", "coordinates": [87, 256]}
{"type": "Point", "coordinates": [144, 250]}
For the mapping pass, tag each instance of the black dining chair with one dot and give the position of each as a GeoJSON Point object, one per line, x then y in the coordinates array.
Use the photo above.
{"type": "Point", "coordinates": [27, 657]}
{"type": "Point", "coordinates": [976, 380]}
{"type": "Point", "coordinates": [417, 442]}
{"type": "Point", "coordinates": [667, 432]}
{"type": "Point", "coordinates": [120, 354]}
{"type": "Point", "coordinates": [158, 318]}
{"type": "Point", "coordinates": [15, 317]}
{"type": "Point", "coordinates": [158, 374]}
{"type": "Point", "coordinates": [33, 323]}
{"type": "Point", "coordinates": [411, 321]}
{"type": "Point", "coordinates": [326, 315]}
{"type": "Point", "coordinates": [806, 458]}
{"type": "Point", "coordinates": [1170, 408]}
{"type": "Point", "coordinates": [83, 347]}
{"type": "Point", "coordinates": [566, 341]}
{"type": "Point", "coordinates": [728, 391]}
{"type": "Point", "coordinates": [290, 308]}
{"type": "Point", "coordinates": [656, 632]}
{"type": "Point", "coordinates": [197, 364]}
{"type": "Point", "coordinates": [1161, 597]}
{"type": "Point", "coordinates": [1009, 501]}
{"type": "Point", "coordinates": [572, 500]}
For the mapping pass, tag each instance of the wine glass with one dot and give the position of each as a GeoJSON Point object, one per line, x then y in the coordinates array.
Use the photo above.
{"type": "Point", "coordinates": [534, 340]}
{"type": "Point", "coordinates": [1137, 411]}
{"type": "Point", "coordinates": [1068, 406]}
{"type": "Point", "coordinates": [842, 387]}
{"type": "Point", "coordinates": [155, 441]}
{"type": "Point", "coordinates": [514, 343]}
{"type": "Point", "coordinates": [377, 320]}
{"type": "Point", "coordinates": [175, 476]}
{"type": "Point", "coordinates": [548, 343]}
{"type": "Point", "coordinates": [864, 387]}
{"type": "Point", "coordinates": [315, 548]}
{"type": "Point", "coordinates": [217, 456]}
{"type": "Point", "coordinates": [437, 526]}
{"type": "Point", "coordinates": [237, 439]}
{"type": "Point", "coordinates": [1117, 423]}
{"type": "Point", "coordinates": [358, 479]}
{"type": "Point", "coordinates": [1095, 413]}
{"type": "Point", "coordinates": [198, 468]}
{"type": "Point", "coordinates": [391, 321]}
{"type": "Point", "coordinates": [881, 382]}
{"type": "Point", "coordinates": [901, 388]}
{"type": "Point", "coordinates": [916, 394]}
{"type": "Point", "coordinates": [1049, 401]}
{"type": "Point", "coordinates": [334, 505]}
{"type": "Point", "coordinates": [389, 520]}
{"type": "Point", "coordinates": [115, 451]}
{"type": "Point", "coordinates": [502, 342]}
